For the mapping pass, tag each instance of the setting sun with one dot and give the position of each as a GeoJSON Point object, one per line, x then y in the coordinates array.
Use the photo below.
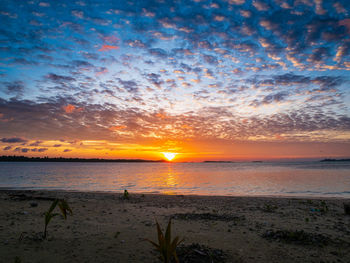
{"type": "Point", "coordinates": [169, 156]}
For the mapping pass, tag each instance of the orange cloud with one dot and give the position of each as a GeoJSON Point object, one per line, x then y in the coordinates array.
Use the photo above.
{"type": "Point", "coordinates": [107, 47]}
{"type": "Point", "coordinates": [219, 18]}
{"type": "Point", "coordinates": [245, 13]}
{"type": "Point", "coordinates": [116, 128]}
{"type": "Point", "coordinates": [185, 126]}
{"type": "Point", "coordinates": [69, 108]}
{"type": "Point", "coordinates": [161, 115]}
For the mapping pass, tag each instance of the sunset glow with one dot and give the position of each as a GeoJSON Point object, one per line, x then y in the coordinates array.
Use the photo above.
{"type": "Point", "coordinates": [212, 80]}
{"type": "Point", "coordinates": [169, 156]}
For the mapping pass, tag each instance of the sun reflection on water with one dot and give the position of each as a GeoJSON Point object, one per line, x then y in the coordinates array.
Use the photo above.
{"type": "Point", "coordinates": [170, 180]}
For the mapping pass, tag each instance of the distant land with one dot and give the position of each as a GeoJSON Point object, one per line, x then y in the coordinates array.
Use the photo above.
{"type": "Point", "coordinates": [229, 161]}
{"type": "Point", "coordinates": [218, 162]}
{"type": "Point", "coordinates": [61, 159]}
{"type": "Point", "coordinates": [335, 160]}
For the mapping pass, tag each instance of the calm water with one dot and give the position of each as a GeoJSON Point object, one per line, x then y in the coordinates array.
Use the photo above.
{"type": "Point", "coordinates": [283, 179]}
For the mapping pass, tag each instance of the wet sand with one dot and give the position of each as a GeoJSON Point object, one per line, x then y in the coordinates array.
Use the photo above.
{"type": "Point", "coordinates": [106, 228]}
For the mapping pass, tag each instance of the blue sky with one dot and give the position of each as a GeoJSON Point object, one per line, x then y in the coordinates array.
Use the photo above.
{"type": "Point", "coordinates": [161, 72]}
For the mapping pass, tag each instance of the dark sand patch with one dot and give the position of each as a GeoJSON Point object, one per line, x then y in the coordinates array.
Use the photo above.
{"type": "Point", "coordinates": [208, 216]}
{"type": "Point", "coordinates": [196, 253]}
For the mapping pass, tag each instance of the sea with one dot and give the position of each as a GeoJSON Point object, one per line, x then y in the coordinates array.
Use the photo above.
{"type": "Point", "coordinates": [299, 179]}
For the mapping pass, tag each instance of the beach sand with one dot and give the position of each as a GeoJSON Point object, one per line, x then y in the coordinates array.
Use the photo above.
{"type": "Point", "coordinates": [106, 228]}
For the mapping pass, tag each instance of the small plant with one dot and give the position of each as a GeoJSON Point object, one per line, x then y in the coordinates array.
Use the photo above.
{"type": "Point", "coordinates": [64, 207]}
{"type": "Point", "coordinates": [126, 194]}
{"type": "Point", "coordinates": [166, 246]}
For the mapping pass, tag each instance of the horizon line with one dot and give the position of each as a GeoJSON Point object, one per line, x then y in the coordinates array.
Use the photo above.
{"type": "Point", "coordinates": [18, 158]}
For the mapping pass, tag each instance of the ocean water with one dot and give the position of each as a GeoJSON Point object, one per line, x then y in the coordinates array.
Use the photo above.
{"type": "Point", "coordinates": [245, 179]}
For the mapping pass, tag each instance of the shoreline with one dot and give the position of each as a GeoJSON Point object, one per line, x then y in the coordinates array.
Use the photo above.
{"type": "Point", "coordinates": [175, 194]}
{"type": "Point", "coordinates": [106, 228]}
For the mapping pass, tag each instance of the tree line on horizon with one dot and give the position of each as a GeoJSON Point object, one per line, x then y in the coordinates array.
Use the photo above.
{"type": "Point", "coordinates": [16, 158]}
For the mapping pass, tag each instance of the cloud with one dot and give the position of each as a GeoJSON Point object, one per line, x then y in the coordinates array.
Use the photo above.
{"type": "Point", "coordinates": [15, 87]}
{"type": "Point", "coordinates": [24, 150]}
{"type": "Point", "coordinates": [44, 4]}
{"type": "Point", "coordinates": [319, 7]}
{"type": "Point", "coordinates": [42, 150]}
{"type": "Point", "coordinates": [237, 2]}
{"type": "Point", "coordinates": [13, 140]}
{"type": "Point", "coordinates": [319, 54]}
{"type": "Point", "coordinates": [117, 128]}
{"type": "Point", "coordinates": [136, 43]}
{"type": "Point", "coordinates": [206, 65]}
{"type": "Point", "coordinates": [129, 85]}
{"type": "Point", "coordinates": [339, 8]}
{"type": "Point", "coordinates": [277, 97]}
{"type": "Point", "coordinates": [69, 108]}
{"type": "Point", "coordinates": [158, 52]}
{"type": "Point", "coordinates": [261, 6]}
{"type": "Point", "coordinates": [108, 47]}
{"type": "Point", "coordinates": [59, 78]}
{"type": "Point", "coordinates": [78, 14]}
{"type": "Point", "coordinates": [10, 15]}
{"type": "Point", "coordinates": [210, 59]}
{"type": "Point", "coordinates": [342, 51]}
{"type": "Point", "coordinates": [38, 149]}
{"type": "Point", "coordinates": [155, 79]}
{"type": "Point", "coordinates": [36, 143]}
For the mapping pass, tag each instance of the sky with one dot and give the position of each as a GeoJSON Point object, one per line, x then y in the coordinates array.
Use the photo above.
{"type": "Point", "coordinates": [208, 80]}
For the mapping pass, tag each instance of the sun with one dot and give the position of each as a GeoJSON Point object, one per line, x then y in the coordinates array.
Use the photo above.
{"type": "Point", "coordinates": [169, 156]}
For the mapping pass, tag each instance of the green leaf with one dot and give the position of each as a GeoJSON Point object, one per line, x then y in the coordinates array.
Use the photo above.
{"type": "Point", "coordinates": [160, 233]}
{"type": "Point", "coordinates": [176, 258]}
{"type": "Point", "coordinates": [64, 207]}
{"type": "Point", "coordinates": [53, 205]}
{"type": "Point", "coordinates": [174, 244]}
{"type": "Point", "coordinates": [168, 233]}
{"type": "Point", "coordinates": [49, 216]}
{"type": "Point", "coordinates": [153, 243]}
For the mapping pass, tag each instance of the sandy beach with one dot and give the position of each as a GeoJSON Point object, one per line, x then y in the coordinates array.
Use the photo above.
{"type": "Point", "coordinates": [106, 228]}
